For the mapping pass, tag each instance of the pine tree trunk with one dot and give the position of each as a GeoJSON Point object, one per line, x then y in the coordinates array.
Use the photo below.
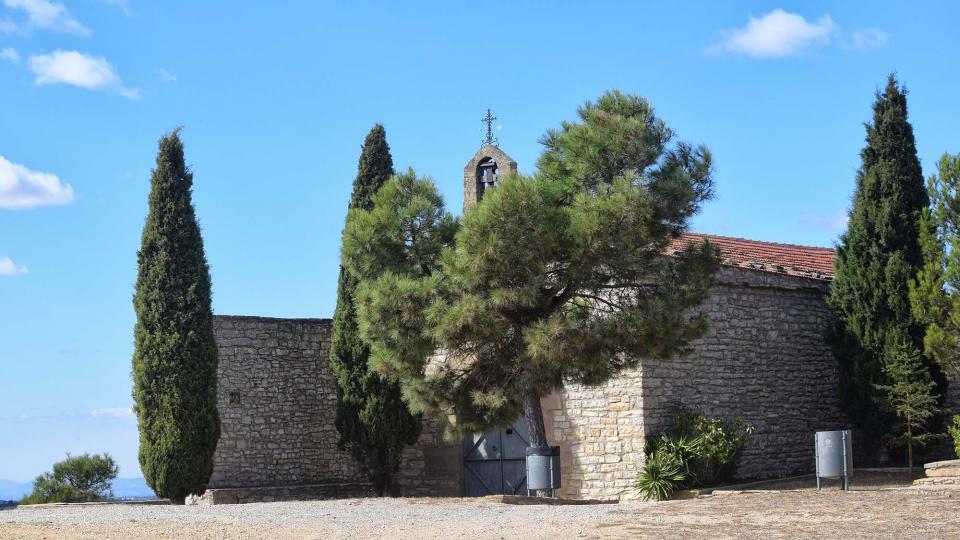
{"type": "Point", "coordinates": [534, 413]}
{"type": "Point", "coordinates": [910, 458]}
{"type": "Point", "coordinates": [536, 430]}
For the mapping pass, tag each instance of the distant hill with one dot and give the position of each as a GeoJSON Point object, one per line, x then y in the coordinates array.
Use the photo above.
{"type": "Point", "coordinates": [132, 488]}
{"type": "Point", "coordinates": [123, 488]}
{"type": "Point", "coordinates": [14, 491]}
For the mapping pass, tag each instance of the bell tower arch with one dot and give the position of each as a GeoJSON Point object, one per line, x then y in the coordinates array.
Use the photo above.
{"type": "Point", "coordinates": [486, 168]}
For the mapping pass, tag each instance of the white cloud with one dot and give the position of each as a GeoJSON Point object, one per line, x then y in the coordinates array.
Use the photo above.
{"type": "Point", "coordinates": [114, 412]}
{"type": "Point", "coordinates": [49, 15]}
{"type": "Point", "coordinates": [778, 34]}
{"type": "Point", "coordinates": [869, 38]}
{"type": "Point", "coordinates": [78, 69]}
{"type": "Point", "coordinates": [22, 188]}
{"type": "Point", "coordinates": [9, 268]}
{"type": "Point", "coordinates": [10, 54]}
{"type": "Point", "coordinates": [165, 75]}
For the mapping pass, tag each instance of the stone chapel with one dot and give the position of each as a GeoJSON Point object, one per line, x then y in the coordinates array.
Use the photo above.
{"type": "Point", "coordinates": [764, 359]}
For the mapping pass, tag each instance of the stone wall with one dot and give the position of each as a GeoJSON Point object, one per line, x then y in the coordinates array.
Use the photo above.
{"type": "Point", "coordinates": [277, 403]}
{"type": "Point", "coordinates": [600, 431]}
{"type": "Point", "coordinates": [434, 466]}
{"type": "Point", "coordinates": [764, 359]}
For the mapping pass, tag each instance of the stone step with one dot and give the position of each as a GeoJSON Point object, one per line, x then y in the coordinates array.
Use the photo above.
{"type": "Point", "coordinates": [944, 471]}
{"type": "Point", "coordinates": [940, 473]}
{"type": "Point", "coordinates": [938, 481]}
{"type": "Point", "coordinates": [948, 464]}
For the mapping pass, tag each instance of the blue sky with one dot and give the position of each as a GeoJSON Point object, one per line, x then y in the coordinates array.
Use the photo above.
{"type": "Point", "coordinates": [275, 99]}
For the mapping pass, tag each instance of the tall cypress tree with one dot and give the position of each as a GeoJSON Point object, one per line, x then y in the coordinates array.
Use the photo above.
{"type": "Point", "coordinates": [175, 356]}
{"type": "Point", "coordinates": [876, 259]}
{"type": "Point", "coordinates": [372, 418]}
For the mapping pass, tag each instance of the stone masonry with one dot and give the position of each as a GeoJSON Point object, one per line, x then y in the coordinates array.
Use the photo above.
{"type": "Point", "coordinates": [472, 190]}
{"type": "Point", "coordinates": [277, 401]}
{"type": "Point", "coordinates": [764, 359]}
{"type": "Point", "coordinates": [277, 404]}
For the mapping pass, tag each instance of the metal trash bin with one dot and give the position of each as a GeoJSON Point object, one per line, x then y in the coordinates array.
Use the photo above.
{"type": "Point", "coordinates": [543, 468]}
{"type": "Point", "coordinates": [834, 456]}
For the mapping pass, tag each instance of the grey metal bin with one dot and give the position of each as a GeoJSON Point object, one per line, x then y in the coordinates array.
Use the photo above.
{"type": "Point", "coordinates": [834, 456]}
{"type": "Point", "coordinates": [543, 468]}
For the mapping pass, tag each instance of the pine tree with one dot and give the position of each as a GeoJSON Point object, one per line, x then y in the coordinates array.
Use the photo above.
{"type": "Point", "coordinates": [912, 397]}
{"type": "Point", "coordinates": [935, 293]}
{"type": "Point", "coordinates": [373, 420]}
{"type": "Point", "coordinates": [556, 277]}
{"type": "Point", "coordinates": [175, 356]}
{"type": "Point", "coordinates": [876, 259]}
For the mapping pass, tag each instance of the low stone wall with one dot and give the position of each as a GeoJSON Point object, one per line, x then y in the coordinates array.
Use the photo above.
{"type": "Point", "coordinates": [312, 492]}
{"type": "Point", "coordinates": [764, 359]}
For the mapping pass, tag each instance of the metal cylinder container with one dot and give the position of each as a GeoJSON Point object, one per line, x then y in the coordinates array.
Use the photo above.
{"type": "Point", "coordinates": [543, 468]}
{"type": "Point", "coordinates": [834, 455]}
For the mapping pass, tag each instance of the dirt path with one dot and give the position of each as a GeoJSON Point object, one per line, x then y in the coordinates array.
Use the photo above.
{"type": "Point", "coordinates": [794, 514]}
{"type": "Point", "coordinates": [762, 514]}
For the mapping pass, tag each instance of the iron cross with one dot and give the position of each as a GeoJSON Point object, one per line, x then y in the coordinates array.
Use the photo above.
{"type": "Point", "coordinates": [489, 119]}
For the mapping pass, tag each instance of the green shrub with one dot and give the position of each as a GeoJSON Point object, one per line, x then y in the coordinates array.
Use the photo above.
{"type": "Point", "coordinates": [717, 445]}
{"type": "Point", "coordinates": [705, 451]}
{"type": "Point", "coordinates": [76, 479]}
{"type": "Point", "coordinates": [954, 429]}
{"type": "Point", "coordinates": [660, 476]}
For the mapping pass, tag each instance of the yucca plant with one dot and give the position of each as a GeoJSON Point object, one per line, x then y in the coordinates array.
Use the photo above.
{"type": "Point", "coordinates": [684, 451]}
{"type": "Point", "coordinates": [660, 476]}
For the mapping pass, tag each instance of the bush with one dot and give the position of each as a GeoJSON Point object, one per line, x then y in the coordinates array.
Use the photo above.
{"type": "Point", "coordinates": [83, 478]}
{"type": "Point", "coordinates": [660, 477]}
{"type": "Point", "coordinates": [705, 451]}
{"type": "Point", "coordinates": [955, 433]}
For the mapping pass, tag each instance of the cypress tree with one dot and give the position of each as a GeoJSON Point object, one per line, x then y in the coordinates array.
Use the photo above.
{"type": "Point", "coordinates": [372, 418]}
{"type": "Point", "coordinates": [876, 259]}
{"type": "Point", "coordinates": [175, 356]}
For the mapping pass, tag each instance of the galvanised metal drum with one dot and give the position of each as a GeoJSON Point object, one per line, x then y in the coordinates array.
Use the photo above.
{"type": "Point", "coordinates": [834, 455]}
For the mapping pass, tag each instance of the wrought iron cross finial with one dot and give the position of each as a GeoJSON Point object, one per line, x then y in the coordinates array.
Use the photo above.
{"type": "Point", "coordinates": [489, 119]}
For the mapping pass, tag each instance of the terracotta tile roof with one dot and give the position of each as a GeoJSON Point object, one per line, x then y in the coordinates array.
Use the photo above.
{"type": "Point", "coordinates": [803, 261]}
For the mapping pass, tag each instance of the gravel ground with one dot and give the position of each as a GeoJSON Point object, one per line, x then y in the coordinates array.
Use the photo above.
{"type": "Point", "coordinates": [351, 518]}
{"type": "Point", "coordinates": [900, 514]}
{"type": "Point", "coordinates": [754, 514]}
